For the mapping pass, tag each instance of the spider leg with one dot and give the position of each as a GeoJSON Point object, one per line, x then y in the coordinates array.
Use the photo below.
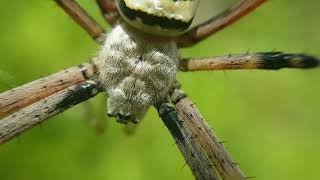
{"type": "Point", "coordinates": [192, 151]}
{"type": "Point", "coordinates": [202, 135]}
{"type": "Point", "coordinates": [30, 116]}
{"type": "Point", "coordinates": [218, 22]}
{"type": "Point", "coordinates": [32, 92]}
{"type": "Point", "coordinates": [265, 60]}
{"type": "Point", "coordinates": [109, 10]}
{"type": "Point", "coordinates": [73, 9]}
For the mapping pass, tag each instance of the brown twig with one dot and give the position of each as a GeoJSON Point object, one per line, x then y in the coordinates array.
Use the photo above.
{"type": "Point", "coordinates": [30, 116]}
{"type": "Point", "coordinates": [194, 123]}
{"type": "Point", "coordinates": [217, 23]}
{"type": "Point", "coordinates": [266, 60]}
{"type": "Point", "coordinates": [109, 10]}
{"type": "Point", "coordinates": [27, 94]}
{"type": "Point", "coordinates": [74, 10]}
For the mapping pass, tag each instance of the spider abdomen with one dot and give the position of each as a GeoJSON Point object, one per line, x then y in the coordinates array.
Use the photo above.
{"type": "Point", "coordinates": [137, 72]}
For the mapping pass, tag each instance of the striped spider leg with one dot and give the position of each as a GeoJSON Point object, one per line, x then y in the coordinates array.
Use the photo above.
{"type": "Point", "coordinates": [264, 60]}
{"type": "Point", "coordinates": [27, 94]}
{"type": "Point", "coordinates": [36, 113]}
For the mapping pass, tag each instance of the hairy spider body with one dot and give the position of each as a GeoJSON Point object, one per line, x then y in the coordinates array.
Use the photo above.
{"type": "Point", "coordinates": [139, 66]}
{"type": "Point", "coordinates": [138, 70]}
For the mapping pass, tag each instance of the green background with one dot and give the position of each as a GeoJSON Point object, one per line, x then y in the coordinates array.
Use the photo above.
{"type": "Point", "coordinates": [271, 119]}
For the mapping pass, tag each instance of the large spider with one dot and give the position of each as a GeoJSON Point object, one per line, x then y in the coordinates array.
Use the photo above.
{"type": "Point", "coordinates": [66, 90]}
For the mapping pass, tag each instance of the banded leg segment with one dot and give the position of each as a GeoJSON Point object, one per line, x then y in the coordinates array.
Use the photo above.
{"type": "Point", "coordinates": [32, 92]}
{"type": "Point", "coordinates": [265, 60]}
{"type": "Point", "coordinates": [191, 150]}
{"type": "Point", "coordinates": [73, 9]}
{"type": "Point", "coordinates": [109, 10]}
{"type": "Point", "coordinates": [28, 117]}
{"type": "Point", "coordinates": [202, 135]}
{"type": "Point", "coordinates": [218, 22]}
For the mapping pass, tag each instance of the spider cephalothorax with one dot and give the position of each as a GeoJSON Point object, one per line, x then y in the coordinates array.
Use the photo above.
{"type": "Point", "coordinates": [139, 68]}
{"type": "Point", "coordinates": [162, 17]}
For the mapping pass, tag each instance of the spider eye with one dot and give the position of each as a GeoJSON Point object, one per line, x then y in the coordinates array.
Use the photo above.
{"type": "Point", "coordinates": [163, 17]}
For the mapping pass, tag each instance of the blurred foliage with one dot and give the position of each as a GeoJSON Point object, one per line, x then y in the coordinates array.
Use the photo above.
{"type": "Point", "coordinates": [269, 118]}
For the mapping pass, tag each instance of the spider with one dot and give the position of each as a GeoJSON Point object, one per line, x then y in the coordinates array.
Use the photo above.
{"type": "Point", "coordinates": [269, 60]}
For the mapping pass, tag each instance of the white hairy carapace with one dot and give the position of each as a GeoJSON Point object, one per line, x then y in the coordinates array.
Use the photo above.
{"type": "Point", "coordinates": [139, 68]}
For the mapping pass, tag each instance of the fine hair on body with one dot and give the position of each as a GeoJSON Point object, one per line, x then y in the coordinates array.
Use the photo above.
{"type": "Point", "coordinates": [137, 71]}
